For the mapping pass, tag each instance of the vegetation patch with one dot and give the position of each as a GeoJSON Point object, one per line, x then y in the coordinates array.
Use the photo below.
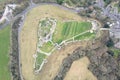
{"type": "Point", "coordinates": [118, 6]}
{"type": "Point", "coordinates": [2, 0]}
{"type": "Point", "coordinates": [115, 51]}
{"type": "Point", "coordinates": [45, 26]}
{"type": "Point", "coordinates": [87, 35]}
{"type": "Point", "coordinates": [40, 58]}
{"type": "Point", "coordinates": [4, 56]}
{"type": "Point", "coordinates": [47, 47]}
{"type": "Point", "coordinates": [66, 30]}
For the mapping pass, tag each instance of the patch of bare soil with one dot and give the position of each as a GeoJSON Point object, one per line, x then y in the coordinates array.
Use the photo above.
{"type": "Point", "coordinates": [79, 70]}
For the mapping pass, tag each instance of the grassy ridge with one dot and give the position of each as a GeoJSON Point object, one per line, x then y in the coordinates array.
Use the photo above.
{"type": "Point", "coordinates": [4, 56]}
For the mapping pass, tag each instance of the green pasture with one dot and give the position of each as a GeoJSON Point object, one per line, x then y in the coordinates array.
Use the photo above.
{"type": "Point", "coordinates": [87, 35]}
{"type": "Point", "coordinates": [4, 53]}
{"type": "Point", "coordinates": [66, 30]}
{"type": "Point", "coordinates": [39, 59]}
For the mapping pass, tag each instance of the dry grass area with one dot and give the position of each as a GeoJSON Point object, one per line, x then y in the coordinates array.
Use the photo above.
{"type": "Point", "coordinates": [51, 68]}
{"type": "Point", "coordinates": [28, 41]}
{"type": "Point", "coordinates": [79, 70]}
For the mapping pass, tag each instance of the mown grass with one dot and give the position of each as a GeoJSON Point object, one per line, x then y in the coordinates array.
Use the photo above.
{"type": "Point", "coordinates": [39, 59]}
{"type": "Point", "coordinates": [47, 47]}
{"type": "Point", "coordinates": [4, 53]}
{"type": "Point", "coordinates": [87, 35]}
{"type": "Point", "coordinates": [66, 30]}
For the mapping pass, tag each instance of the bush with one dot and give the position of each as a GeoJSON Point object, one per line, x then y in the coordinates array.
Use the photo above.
{"type": "Point", "coordinates": [15, 51]}
{"type": "Point", "coordinates": [22, 7]}
{"type": "Point", "coordinates": [106, 26]}
{"type": "Point", "coordinates": [110, 43]}
{"type": "Point", "coordinates": [107, 1]}
{"type": "Point", "coordinates": [60, 1]}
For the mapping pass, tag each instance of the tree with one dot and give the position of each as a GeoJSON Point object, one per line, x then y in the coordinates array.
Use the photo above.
{"type": "Point", "coordinates": [106, 26]}
{"type": "Point", "coordinates": [107, 1]}
{"type": "Point", "coordinates": [110, 43]}
{"type": "Point", "coordinates": [60, 1]}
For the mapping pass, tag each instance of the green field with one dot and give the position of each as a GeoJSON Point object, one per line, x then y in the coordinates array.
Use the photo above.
{"type": "Point", "coordinates": [66, 30]}
{"type": "Point", "coordinates": [39, 59]}
{"type": "Point", "coordinates": [4, 56]}
{"type": "Point", "coordinates": [47, 47]}
{"type": "Point", "coordinates": [87, 35]}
